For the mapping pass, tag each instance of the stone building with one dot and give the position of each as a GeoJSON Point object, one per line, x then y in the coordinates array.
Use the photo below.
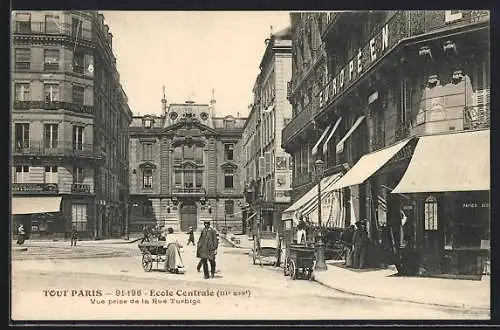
{"type": "Point", "coordinates": [392, 104]}
{"type": "Point", "coordinates": [70, 121]}
{"type": "Point", "coordinates": [186, 167]}
{"type": "Point", "coordinates": [267, 166]}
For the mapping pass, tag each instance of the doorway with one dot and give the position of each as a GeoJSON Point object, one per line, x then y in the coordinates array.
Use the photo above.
{"type": "Point", "coordinates": [189, 215]}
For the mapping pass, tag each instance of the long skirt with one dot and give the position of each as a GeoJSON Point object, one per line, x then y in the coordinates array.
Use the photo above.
{"type": "Point", "coordinates": [349, 254]}
{"type": "Point", "coordinates": [173, 258]}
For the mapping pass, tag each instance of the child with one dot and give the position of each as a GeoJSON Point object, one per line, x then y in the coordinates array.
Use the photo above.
{"type": "Point", "coordinates": [74, 237]}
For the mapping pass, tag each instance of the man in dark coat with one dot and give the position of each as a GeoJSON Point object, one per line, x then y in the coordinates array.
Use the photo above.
{"type": "Point", "coordinates": [74, 236]}
{"type": "Point", "coordinates": [347, 238]}
{"type": "Point", "coordinates": [207, 249]}
{"type": "Point", "coordinates": [360, 242]}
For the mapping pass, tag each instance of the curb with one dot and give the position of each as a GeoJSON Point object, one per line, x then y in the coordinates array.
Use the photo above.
{"type": "Point", "coordinates": [454, 306]}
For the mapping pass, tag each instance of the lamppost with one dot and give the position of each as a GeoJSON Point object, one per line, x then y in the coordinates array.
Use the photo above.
{"type": "Point", "coordinates": [320, 263]}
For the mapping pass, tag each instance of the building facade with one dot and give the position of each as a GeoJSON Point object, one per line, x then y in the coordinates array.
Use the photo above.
{"type": "Point", "coordinates": [388, 92]}
{"type": "Point", "coordinates": [267, 166]}
{"type": "Point", "coordinates": [186, 168]}
{"type": "Point", "coordinates": [70, 121]}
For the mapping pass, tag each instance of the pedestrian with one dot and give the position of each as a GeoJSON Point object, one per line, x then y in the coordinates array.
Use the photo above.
{"type": "Point", "coordinates": [74, 236]}
{"type": "Point", "coordinates": [360, 238]}
{"type": "Point", "coordinates": [145, 233]}
{"type": "Point", "coordinates": [207, 249]}
{"type": "Point", "coordinates": [191, 236]}
{"type": "Point", "coordinates": [347, 241]}
{"type": "Point", "coordinates": [20, 235]}
{"type": "Point", "coordinates": [173, 263]}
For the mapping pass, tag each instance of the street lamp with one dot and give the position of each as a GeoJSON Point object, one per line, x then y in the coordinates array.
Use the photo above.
{"type": "Point", "coordinates": [320, 263]}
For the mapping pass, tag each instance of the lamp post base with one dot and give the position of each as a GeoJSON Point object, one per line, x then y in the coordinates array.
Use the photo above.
{"type": "Point", "coordinates": [320, 263]}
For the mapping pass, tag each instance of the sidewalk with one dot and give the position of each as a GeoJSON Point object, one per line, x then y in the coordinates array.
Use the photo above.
{"type": "Point", "coordinates": [238, 241]}
{"type": "Point", "coordinates": [430, 291]}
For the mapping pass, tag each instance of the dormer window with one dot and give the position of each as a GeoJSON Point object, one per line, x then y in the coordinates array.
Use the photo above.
{"type": "Point", "coordinates": [147, 123]}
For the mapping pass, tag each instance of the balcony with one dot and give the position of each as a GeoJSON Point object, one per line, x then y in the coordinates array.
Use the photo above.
{"type": "Point", "coordinates": [297, 124]}
{"type": "Point", "coordinates": [57, 149]}
{"type": "Point", "coordinates": [50, 66]}
{"type": "Point", "coordinates": [191, 192]}
{"type": "Point", "coordinates": [55, 29]}
{"type": "Point", "coordinates": [80, 188]}
{"type": "Point", "coordinates": [35, 188]}
{"type": "Point", "coordinates": [53, 105]}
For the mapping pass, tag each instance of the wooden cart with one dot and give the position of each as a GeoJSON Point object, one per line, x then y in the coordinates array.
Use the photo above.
{"type": "Point", "coordinates": [299, 261]}
{"type": "Point", "coordinates": [153, 252]}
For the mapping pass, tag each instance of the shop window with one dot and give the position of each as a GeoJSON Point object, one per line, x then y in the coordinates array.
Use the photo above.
{"type": "Point", "coordinates": [431, 213]}
{"type": "Point", "coordinates": [79, 217]}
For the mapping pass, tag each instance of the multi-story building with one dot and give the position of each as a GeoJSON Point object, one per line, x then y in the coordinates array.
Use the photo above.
{"type": "Point", "coordinates": [186, 167]}
{"type": "Point", "coordinates": [404, 105]}
{"type": "Point", "coordinates": [70, 121]}
{"type": "Point", "coordinates": [267, 167]}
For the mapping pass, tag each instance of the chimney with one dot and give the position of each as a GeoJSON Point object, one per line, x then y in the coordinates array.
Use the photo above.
{"type": "Point", "coordinates": [212, 103]}
{"type": "Point", "coordinates": [164, 103]}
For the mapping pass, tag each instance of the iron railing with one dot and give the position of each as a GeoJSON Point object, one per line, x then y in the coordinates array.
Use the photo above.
{"type": "Point", "coordinates": [53, 105]}
{"type": "Point", "coordinates": [297, 123]}
{"type": "Point", "coordinates": [42, 28]}
{"type": "Point", "coordinates": [55, 148]}
{"type": "Point", "coordinates": [189, 191]}
{"type": "Point", "coordinates": [80, 188]}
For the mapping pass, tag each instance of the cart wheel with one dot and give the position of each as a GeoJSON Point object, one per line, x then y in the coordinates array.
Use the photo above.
{"type": "Point", "coordinates": [147, 262]}
{"type": "Point", "coordinates": [293, 270]}
{"type": "Point", "coordinates": [285, 267]}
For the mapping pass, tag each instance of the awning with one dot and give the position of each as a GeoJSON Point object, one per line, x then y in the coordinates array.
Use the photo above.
{"type": "Point", "coordinates": [314, 150]}
{"type": "Point", "coordinates": [340, 145]}
{"type": "Point", "coordinates": [367, 166]}
{"type": "Point", "coordinates": [309, 197]}
{"type": "Point", "coordinates": [449, 162]}
{"type": "Point", "coordinates": [39, 204]}
{"type": "Point", "coordinates": [325, 145]}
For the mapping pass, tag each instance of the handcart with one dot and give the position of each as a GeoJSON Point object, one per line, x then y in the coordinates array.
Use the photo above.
{"type": "Point", "coordinates": [299, 261]}
{"type": "Point", "coordinates": [265, 248]}
{"type": "Point", "coordinates": [153, 252]}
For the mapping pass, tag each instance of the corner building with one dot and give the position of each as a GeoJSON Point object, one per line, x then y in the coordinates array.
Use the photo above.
{"type": "Point", "coordinates": [186, 168]}
{"type": "Point", "coordinates": [70, 121]}
{"type": "Point", "coordinates": [402, 96]}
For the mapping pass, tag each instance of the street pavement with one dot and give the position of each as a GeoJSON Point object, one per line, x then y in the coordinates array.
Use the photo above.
{"type": "Point", "coordinates": [240, 289]}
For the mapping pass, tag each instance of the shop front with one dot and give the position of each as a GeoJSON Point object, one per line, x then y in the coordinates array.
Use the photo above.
{"type": "Point", "coordinates": [38, 214]}
{"type": "Point", "coordinates": [450, 196]}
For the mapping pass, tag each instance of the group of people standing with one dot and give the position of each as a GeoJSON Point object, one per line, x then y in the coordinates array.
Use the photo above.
{"type": "Point", "coordinates": [355, 240]}
{"type": "Point", "coordinates": [206, 250]}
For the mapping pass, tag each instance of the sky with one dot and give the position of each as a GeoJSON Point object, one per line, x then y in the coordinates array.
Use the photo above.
{"type": "Point", "coordinates": [191, 53]}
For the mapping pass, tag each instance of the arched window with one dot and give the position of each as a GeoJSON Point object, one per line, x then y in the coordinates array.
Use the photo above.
{"type": "Point", "coordinates": [431, 213]}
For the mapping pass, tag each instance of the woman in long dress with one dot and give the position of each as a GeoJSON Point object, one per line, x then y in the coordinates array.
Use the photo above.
{"type": "Point", "coordinates": [173, 261]}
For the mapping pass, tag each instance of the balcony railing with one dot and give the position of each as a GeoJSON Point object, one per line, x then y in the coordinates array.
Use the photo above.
{"type": "Point", "coordinates": [189, 191]}
{"type": "Point", "coordinates": [62, 29]}
{"type": "Point", "coordinates": [55, 149]}
{"type": "Point", "coordinates": [35, 188]}
{"type": "Point", "coordinates": [53, 105]}
{"type": "Point", "coordinates": [298, 122]}
{"type": "Point", "coordinates": [80, 188]}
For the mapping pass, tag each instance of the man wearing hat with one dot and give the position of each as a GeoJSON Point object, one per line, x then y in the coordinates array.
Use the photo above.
{"type": "Point", "coordinates": [207, 249]}
{"type": "Point", "coordinates": [360, 243]}
{"type": "Point", "coordinates": [191, 235]}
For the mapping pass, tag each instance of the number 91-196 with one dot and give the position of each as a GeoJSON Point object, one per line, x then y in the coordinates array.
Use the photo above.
{"type": "Point", "coordinates": [128, 293]}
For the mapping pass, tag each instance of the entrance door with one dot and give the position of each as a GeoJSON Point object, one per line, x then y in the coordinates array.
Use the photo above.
{"type": "Point", "coordinates": [433, 240]}
{"type": "Point", "coordinates": [189, 216]}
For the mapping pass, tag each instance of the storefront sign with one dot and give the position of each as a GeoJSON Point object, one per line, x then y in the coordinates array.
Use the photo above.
{"type": "Point", "coordinates": [40, 188]}
{"type": "Point", "coordinates": [475, 205]}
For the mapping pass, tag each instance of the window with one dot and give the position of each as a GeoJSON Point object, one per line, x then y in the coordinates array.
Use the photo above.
{"type": "Point", "coordinates": [188, 179]}
{"type": "Point", "coordinates": [228, 180]}
{"type": "Point", "coordinates": [23, 22]}
{"type": "Point", "coordinates": [147, 123]}
{"type": "Point", "coordinates": [78, 137]}
{"type": "Point", "coordinates": [228, 151]}
{"type": "Point", "coordinates": [79, 217]}
{"type": "Point", "coordinates": [51, 24]}
{"type": "Point", "coordinates": [22, 135]}
{"type": "Point", "coordinates": [147, 176]}
{"type": "Point", "coordinates": [50, 135]}
{"type": "Point", "coordinates": [78, 94]}
{"type": "Point", "coordinates": [23, 58]}
{"type": "Point", "coordinates": [198, 155]}
{"type": "Point", "coordinates": [78, 175]}
{"type": "Point", "coordinates": [199, 179]}
{"type": "Point", "coordinates": [51, 59]}
{"type": "Point", "coordinates": [147, 151]}
{"type": "Point", "coordinates": [430, 213]}
{"type": "Point", "coordinates": [78, 62]}
{"type": "Point", "coordinates": [51, 175]}
{"type": "Point", "coordinates": [76, 27]}
{"type": "Point", "coordinates": [178, 179]}
{"type": "Point", "coordinates": [229, 207]}
{"type": "Point", "coordinates": [51, 92]}
{"type": "Point", "coordinates": [22, 173]}
{"type": "Point", "coordinates": [22, 91]}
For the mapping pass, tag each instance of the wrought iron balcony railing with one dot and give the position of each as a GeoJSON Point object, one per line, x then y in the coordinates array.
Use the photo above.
{"type": "Point", "coordinates": [53, 105]}
{"type": "Point", "coordinates": [35, 188]}
{"type": "Point", "coordinates": [55, 28]}
{"type": "Point", "coordinates": [297, 124]}
{"type": "Point", "coordinates": [59, 148]}
{"type": "Point", "coordinates": [189, 191]}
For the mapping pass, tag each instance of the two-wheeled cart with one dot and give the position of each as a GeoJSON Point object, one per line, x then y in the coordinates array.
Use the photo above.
{"type": "Point", "coordinates": [299, 261]}
{"type": "Point", "coordinates": [153, 252]}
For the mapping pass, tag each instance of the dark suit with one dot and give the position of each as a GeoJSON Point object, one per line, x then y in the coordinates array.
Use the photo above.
{"type": "Point", "coordinates": [207, 248]}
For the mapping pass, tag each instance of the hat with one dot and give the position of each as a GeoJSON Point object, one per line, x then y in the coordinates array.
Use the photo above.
{"type": "Point", "coordinates": [206, 222]}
